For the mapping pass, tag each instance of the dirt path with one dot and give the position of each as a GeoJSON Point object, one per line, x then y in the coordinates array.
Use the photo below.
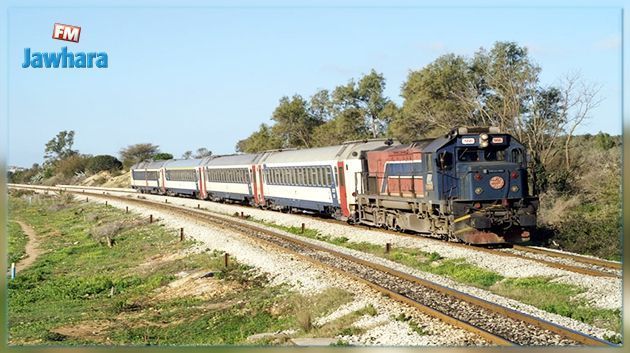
{"type": "Point", "coordinates": [32, 247]}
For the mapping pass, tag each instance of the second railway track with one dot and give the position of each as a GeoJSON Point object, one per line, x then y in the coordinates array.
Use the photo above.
{"type": "Point", "coordinates": [497, 324]}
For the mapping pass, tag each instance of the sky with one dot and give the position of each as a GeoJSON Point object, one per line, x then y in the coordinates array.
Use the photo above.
{"type": "Point", "coordinates": [190, 77]}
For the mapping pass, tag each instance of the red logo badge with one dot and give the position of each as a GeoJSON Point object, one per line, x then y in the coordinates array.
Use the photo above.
{"type": "Point", "coordinates": [496, 182]}
{"type": "Point", "coordinates": [66, 32]}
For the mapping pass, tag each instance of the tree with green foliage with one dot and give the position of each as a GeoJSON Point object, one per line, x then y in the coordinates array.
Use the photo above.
{"type": "Point", "coordinates": [60, 146]}
{"type": "Point", "coordinates": [133, 154]}
{"type": "Point", "coordinates": [373, 102]}
{"type": "Point", "coordinates": [293, 123]}
{"type": "Point", "coordinates": [73, 165]}
{"type": "Point", "coordinates": [433, 99]}
{"type": "Point", "coordinates": [103, 163]}
{"type": "Point", "coordinates": [261, 140]}
{"type": "Point", "coordinates": [162, 156]}
{"type": "Point", "coordinates": [347, 125]}
{"type": "Point", "coordinates": [202, 152]}
{"type": "Point", "coordinates": [604, 141]}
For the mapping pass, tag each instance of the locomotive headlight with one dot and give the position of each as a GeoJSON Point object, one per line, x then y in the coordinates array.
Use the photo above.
{"type": "Point", "coordinates": [478, 191]}
{"type": "Point", "coordinates": [514, 188]}
{"type": "Point", "coordinates": [483, 137]}
{"type": "Point", "coordinates": [483, 144]}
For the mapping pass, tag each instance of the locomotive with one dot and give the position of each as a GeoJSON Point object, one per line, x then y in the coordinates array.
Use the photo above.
{"type": "Point", "coordinates": [469, 185]}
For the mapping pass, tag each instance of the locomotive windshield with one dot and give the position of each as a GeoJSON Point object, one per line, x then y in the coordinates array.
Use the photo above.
{"type": "Point", "coordinates": [475, 154]}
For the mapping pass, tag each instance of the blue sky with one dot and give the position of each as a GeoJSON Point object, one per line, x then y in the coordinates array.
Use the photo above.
{"type": "Point", "coordinates": [194, 77]}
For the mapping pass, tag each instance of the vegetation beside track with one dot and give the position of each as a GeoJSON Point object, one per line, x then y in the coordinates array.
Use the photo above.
{"type": "Point", "coordinates": [82, 291]}
{"type": "Point", "coordinates": [540, 292]}
{"type": "Point", "coordinates": [17, 242]}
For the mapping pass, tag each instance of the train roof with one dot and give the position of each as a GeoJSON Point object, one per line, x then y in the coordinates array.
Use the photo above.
{"type": "Point", "coordinates": [232, 159]}
{"type": "Point", "coordinates": [182, 163]}
{"type": "Point", "coordinates": [149, 165]}
{"type": "Point", "coordinates": [349, 150]}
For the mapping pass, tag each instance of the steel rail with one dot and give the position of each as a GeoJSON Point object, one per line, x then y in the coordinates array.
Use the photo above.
{"type": "Point", "coordinates": [574, 257]}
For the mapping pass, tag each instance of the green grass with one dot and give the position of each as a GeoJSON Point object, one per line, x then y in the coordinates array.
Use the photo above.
{"type": "Point", "coordinates": [70, 285]}
{"type": "Point", "coordinates": [540, 292]}
{"type": "Point", "coordinates": [17, 242]}
{"type": "Point", "coordinates": [456, 269]}
{"type": "Point", "coordinates": [558, 298]}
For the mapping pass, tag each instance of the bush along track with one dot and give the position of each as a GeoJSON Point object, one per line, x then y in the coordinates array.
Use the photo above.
{"type": "Point", "coordinates": [105, 277]}
{"type": "Point", "coordinates": [540, 292]}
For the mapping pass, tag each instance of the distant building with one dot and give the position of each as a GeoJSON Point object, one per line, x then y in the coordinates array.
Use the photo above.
{"type": "Point", "coordinates": [13, 169]}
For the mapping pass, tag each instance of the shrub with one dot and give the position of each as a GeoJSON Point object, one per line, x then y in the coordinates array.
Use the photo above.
{"type": "Point", "coordinates": [103, 162]}
{"type": "Point", "coordinates": [72, 165]}
{"type": "Point", "coordinates": [163, 156]}
{"type": "Point", "coordinates": [106, 232]}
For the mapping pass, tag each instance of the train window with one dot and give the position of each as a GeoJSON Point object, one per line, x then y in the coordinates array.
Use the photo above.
{"type": "Point", "coordinates": [445, 160]}
{"type": "Point", "coordinates": [300, 176]}
{"type": "Point", "coordinates": [327, 176]}
{"type": "Point", "coordinates": [320, 176]}
{"type": "Point", "coordinates": [314, 176]}
{"type": "Point", "coordinates": [517, 156]}
{"type": "Point", "coordinates": [309, 176]}
{"type": "Point", "coordinates": [467, 155]}
{"type": "Point", "coordinates": [494, 155]}
{"type": "Point", "coordinates": [292, 176]}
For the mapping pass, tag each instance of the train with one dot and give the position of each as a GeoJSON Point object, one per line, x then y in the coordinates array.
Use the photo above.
{"type": "Point", "coordinates": [469, 185]}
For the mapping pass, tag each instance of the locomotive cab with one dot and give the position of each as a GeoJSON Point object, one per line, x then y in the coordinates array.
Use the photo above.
{"type": "Point", "coordinates": [483, 177]}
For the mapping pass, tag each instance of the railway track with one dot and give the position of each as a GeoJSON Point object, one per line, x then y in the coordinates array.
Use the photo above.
{"type": "Point", "coordinates": [496, 324]}
{"type": "Point", "coordinates": [574, 257]}
{"type": "Point", "coordinates": [602, 268]}
{"type": "Point", "coordinates": [588, 266]}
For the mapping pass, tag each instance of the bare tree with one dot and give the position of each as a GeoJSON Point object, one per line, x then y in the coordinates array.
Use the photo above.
{"type": "Point", "coordinates": [580, 98]}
